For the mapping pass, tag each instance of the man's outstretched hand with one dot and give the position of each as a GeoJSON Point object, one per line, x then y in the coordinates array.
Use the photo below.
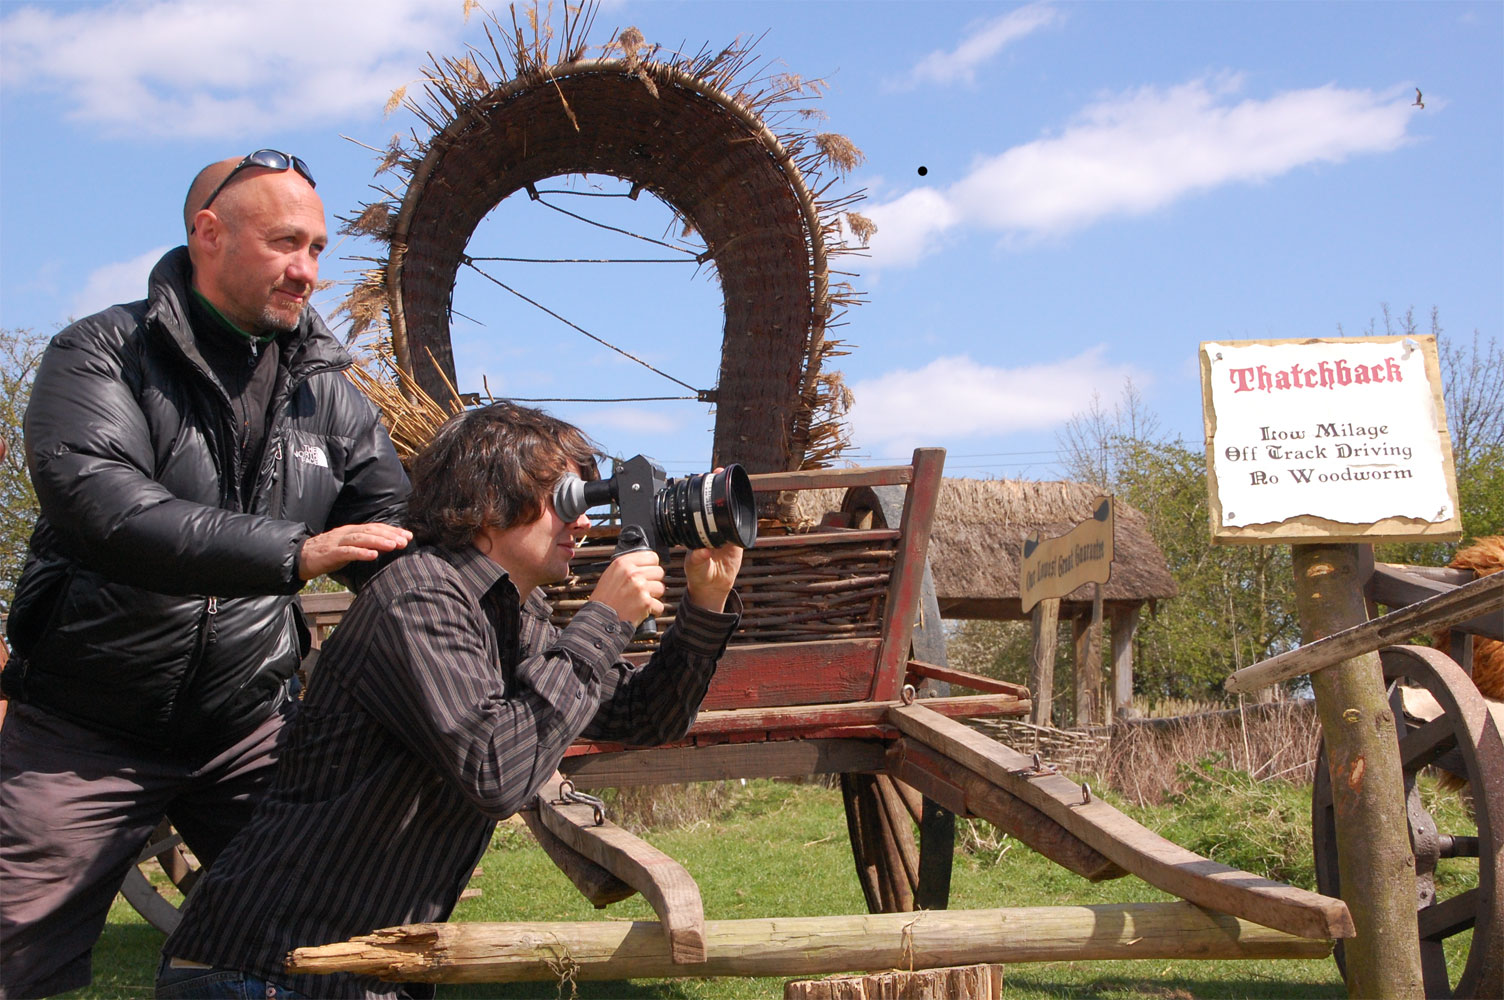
{"type": "Point", "coordinates": [337, 548]}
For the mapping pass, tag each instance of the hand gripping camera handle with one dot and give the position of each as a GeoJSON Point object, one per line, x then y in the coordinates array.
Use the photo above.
{"type": "Point", "coordinates": [634, 539]}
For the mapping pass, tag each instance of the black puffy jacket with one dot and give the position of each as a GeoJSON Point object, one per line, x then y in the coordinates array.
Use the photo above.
{"type": "Point", "coordinates": [155, 604]}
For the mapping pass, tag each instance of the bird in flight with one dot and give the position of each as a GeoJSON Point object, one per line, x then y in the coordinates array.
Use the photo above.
{"type": "Point", "coordinates": [1418, 102]}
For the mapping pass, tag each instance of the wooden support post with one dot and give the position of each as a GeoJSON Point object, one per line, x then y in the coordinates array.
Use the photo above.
{"type": "Point", "coordinates": [967, 982]}
{"type": "Point", "coordinates": [1124, 625]}
{"type": "Point", "coordinates": [1046, 619]}
{"type": "Point", "coordinates": [1374, 863]}
{"type": "Point", "coordinates": [937, 849]}
{"type": "Point", "coordinates": [801, 946]}
{"type": "Point", "coordinates": [1088, 630]}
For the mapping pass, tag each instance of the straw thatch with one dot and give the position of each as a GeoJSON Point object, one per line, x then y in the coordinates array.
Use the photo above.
{"type": "Point", "coordinates": [696, 130]}
{"type": "Point", "coordinates": [978, 536]}
{"type": "Point", "coordinates": [979, 532]}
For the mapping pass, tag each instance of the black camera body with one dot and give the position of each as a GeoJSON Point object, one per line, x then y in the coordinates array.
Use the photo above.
{"type": "Point", "coordinates": [699, 511]}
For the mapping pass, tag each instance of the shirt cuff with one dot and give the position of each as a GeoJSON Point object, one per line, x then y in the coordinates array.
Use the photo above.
{"type": "Point", "coordinates": [706, 632]}
{"type": "Point", "coordinates": [595, 638]}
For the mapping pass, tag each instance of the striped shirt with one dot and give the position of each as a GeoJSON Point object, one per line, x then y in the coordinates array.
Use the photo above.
{"type": "Point", "coordinates": [439, 706]}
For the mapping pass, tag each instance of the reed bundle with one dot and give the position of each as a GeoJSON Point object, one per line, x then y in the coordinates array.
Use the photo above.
{"type": "Point", "coordinates": [718, 135]}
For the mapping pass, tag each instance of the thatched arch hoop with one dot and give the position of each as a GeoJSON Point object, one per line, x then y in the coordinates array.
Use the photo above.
{"type": "Point", "coordinates": [672, 133]}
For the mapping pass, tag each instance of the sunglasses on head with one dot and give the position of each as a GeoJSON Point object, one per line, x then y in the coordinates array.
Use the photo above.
{"type": "Point", "coordinates": [271, 159]}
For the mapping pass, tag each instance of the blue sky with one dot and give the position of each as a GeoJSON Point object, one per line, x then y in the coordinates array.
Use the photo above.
{"type": "Point", "coordinates": [1106, 185]}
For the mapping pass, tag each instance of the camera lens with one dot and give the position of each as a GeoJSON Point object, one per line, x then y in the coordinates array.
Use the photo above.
{"type": "Point", "coordinates": [706, 510]}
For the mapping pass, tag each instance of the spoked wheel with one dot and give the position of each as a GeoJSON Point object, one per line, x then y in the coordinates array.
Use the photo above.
{"type": "Point", "coordinates": [165, 848]}
{"type": "Point", "coordinates": [898, 873]}
{"type": "Point", "coordinates": [1463, 741]}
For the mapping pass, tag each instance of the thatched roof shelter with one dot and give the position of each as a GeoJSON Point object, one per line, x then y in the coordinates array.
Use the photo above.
{"type": "Point", "coordinates": [979, 529]}
{"type": "Point", "coordinates": [980, 526]}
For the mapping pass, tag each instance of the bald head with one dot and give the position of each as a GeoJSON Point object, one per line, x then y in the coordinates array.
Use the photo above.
{"type": "Point", "coordinates": [205, 182]}
{"type": "Point", "coordinates": [255, 249]}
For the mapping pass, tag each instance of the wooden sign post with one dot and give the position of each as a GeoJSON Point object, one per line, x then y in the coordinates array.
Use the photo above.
{"type": "Point", "coordinates": [1050, 569]}
{"type": "Point", "coordinates": [1329, 444]}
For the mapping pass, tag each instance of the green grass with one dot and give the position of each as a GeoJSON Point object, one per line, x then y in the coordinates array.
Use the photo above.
{"type": "Point", "coordinates": [776, 849]}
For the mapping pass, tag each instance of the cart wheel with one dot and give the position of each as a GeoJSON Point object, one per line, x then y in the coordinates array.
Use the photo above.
{"type": "Point", "coordinates": [1465, 741]}
{"type": "Point", "coordinates": [165, 847]}
{"type": "Point", "coordinates": [898, 875]}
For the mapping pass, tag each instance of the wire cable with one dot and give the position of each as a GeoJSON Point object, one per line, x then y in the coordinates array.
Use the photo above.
{"type": "Point", "coordinates": [703, 394]}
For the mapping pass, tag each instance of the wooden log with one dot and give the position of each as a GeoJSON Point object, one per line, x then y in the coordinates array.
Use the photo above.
{"type": "Point", "coordinates": [661, 880]}
{"type": "Point", "coordinates": [968, 982]}
{"type": "Point", "coordinates": [802, 946]}
{"type": "Point", "coordinates": [1142, 852]}
{"type": "Point", "coordinates": [1046, 626]}
{"type": "Point", "coordinates": [1376, 867]}
{"type": "Point", "coordinates": [1483, 595]}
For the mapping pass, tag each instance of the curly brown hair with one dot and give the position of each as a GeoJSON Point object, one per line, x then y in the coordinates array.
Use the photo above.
{"type": "Point", "coordinates": [492, 467]}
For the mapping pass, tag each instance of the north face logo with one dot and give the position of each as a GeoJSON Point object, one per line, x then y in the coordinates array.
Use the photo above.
{"type": "Point", "coordinates": [311, 455]}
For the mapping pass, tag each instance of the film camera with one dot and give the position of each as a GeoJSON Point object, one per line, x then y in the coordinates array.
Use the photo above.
{"type": "Point", "coordinates": [699, 512]}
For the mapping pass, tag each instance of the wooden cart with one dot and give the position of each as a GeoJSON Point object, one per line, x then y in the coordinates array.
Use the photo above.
{"type": "Point", "coordinates": [838, 693]}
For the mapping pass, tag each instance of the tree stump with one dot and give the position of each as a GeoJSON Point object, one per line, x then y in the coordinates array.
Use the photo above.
{"type": "Point", "coordinates": [966, 982]}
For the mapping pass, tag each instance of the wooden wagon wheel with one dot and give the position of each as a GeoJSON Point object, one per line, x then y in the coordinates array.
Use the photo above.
{"type": "Point", "coordinates": [164, 848]}
{"type": "Point", "coordinates": [1464, 741]}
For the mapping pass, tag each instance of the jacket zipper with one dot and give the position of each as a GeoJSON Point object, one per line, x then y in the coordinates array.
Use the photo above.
{"type": "Point", "coordinates": [277, 482]}
{"type": "Point", "coordinates": [200, 650]}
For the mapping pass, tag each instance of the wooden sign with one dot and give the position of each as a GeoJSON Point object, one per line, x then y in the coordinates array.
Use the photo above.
{"type": "Point", "coordinates": [1053, 567]}
{"type": "Point", "coordinates": [1342, 439]}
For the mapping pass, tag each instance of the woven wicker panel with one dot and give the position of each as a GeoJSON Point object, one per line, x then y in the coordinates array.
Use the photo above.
{"type": "Point", "coordinates": [832, 588]}
{"type": "Point", "coordinates": [691, 146]}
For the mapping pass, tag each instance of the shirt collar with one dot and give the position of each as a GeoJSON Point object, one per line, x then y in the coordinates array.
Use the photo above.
{"type": "Point", "coordinates": [481, 575]}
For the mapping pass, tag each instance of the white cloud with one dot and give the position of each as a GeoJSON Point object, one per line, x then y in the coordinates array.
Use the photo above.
{"type": "Point", "coordinates": [186, 68]}
{"type": "Point", "coordinates": [955, 397]}
{"type": "Point", "coordinates": [1136, 152]}
{"type": "Point", "coordinates": [983, 41]}
{"type": "Point", "coordinates": [121, 282]}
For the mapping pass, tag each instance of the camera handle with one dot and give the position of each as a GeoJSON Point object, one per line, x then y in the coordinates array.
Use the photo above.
{"type": "Point", "coordinates": [634, 539]}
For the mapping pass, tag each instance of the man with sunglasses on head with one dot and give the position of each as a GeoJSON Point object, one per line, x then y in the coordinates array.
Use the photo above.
{"type": "Point", "coordinates": [197, 456]}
